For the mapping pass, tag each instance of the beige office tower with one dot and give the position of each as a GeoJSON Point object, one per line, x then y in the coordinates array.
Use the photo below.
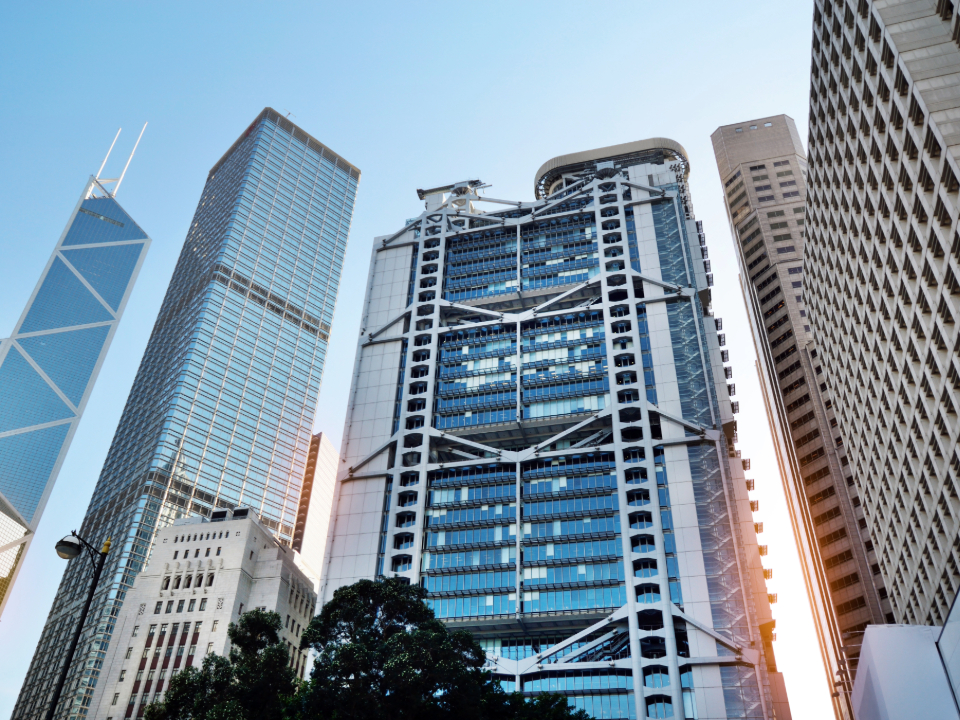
{"type": "Point", "coordinates": [316, 501]}
{"type": "Point", "coordinates": [881, 267]}
{"type": "Point", "coordinates": [763, 168]}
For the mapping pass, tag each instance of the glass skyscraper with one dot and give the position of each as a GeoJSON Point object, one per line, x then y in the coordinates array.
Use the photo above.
{"type": "Point", "coordinates": [50, 363]}
{"type": "Point", "coordinates": [221, 410]}
{"type": "Point", "coordinates": [541, 434]}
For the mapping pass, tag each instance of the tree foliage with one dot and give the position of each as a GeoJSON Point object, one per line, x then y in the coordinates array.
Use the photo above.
{"type": "Point", "coordinates": [254, 682]}
{"type": "Point", "coordinates": [383, 654]}
{"type": "Point", "coordinates": [380, 655]}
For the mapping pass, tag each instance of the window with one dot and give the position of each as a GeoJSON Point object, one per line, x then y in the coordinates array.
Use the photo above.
{"type": "Point", "coordinates": [116, 696]}
{"type": "Point", "coordinates": [251, 554]}
{"type": "Point", "coordinates": [203, 604]}
{"type": "Point", "coordinates": [166, 583]}
{"type": "Point", "coordinates": [150, 675]}
{"type": "Point", "coordinates": [768, 124]}
{"type": "Point", "coordinates": [780, 238]}
{"type": "Point", "coordinates": [175, 553]}
{"type": "Point", "coordinates": [240, 610]}
{"type": "Point", "coordinates": [286, 623]}
{"type": "Point", "coordinates": [170, 606]}
{"type": "Point", "coordinates": [765, 198]}
{"type": "Point", "coordinates": [191, 606]}
{"type": "Point", "coordinates": [136, 629]}
{"type": "Point", "coordinates": [787, 249]}
{"type": "Point", "coordinates": [163, 629]}
{"type": "Point", "coordinates": [209, 648]}
{"type": "Point", "coordinates": [207, 553]}
{"type": "Point", "coordinates": [781, 163]}
{"type": "Point", "coordinates": [761, 188]}
{"type": "Point", "coordinates": [783, 173]}
{"type": "Point", "coordinates": [775, 213]}
{"type": "Point", "coordinates": [214, 628]}
{"type": "Point", "coordinates": [156, 609]}
{"type": "Point", "coordinates": [739, 130]}
{"type": "Point", "coordinates": [129, 653]}
{"type": "Point", "coordinates": [139, 676]}
{"type": "Point", "coordinates": [778, 225]}
{"type": "Point", "coordinates": [180, 606]}
{"type": "Point", "coordinates": [196, 627]}
{"type": "Point", "coordinates": [176, 582]}
{"type": "Point", "coordinates": [193, 650]}
{"type": "Point", "coordinates": [795, 193]}
{"type": "Point", "coordinates": [187, 581]}
{"type": "Point", "coordinates": [218, 551]}
{"type": "Point", "coordinates": [196, 553]}
{"type": "Point", "coordinates": [209, 579]}
{"type": "Point", "coordinates": [753, 127]}
{"type": "Point", "coordinates": [123, 674]}
{"type": "Point", "coordinates": [146, 653]}
{"type": "Point", "coordinates": [754, 168]}
{"type": "Point", "coordinates": [797, 284]}
{"type": "Point", "coordinates": [180, 651]}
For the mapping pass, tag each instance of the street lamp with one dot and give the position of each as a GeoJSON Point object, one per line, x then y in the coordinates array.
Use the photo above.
{"type": "Point", "coordinates": [68, 548]}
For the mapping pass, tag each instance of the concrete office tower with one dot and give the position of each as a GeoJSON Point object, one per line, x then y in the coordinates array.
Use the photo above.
{"type": "Point", "coordinates": [200, 577]}
{"type": "Point", "coordinates": [221, 411]}
{"type": "Point", "coordinates": [316, 501]}
{"type": "Point", "coordinates": [540, 434]}
{"type": "Point", "coordinates": [882, 278]}
{"type": "Point", "coordinates": [50, 363]}
{"type": "Point", "coordinates": [763, 169]}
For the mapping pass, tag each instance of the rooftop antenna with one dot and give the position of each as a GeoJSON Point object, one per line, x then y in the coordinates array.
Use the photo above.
{"type": "Point", "coordinates": [117, 187]}
{"type": "Point", "coordinates": [108, 152]}
{"type": "Point", "coordinates": [289, 113]}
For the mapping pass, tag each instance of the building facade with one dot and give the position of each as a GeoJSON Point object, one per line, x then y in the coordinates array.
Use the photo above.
{"type": "Point", "coordinates": [222, 407]}
{"type": "Point", "coordinates": [200, 578]}
{"type": "Point", "coordinates": [540, 434]}
{"type": "Point", "coordinates": [763, 169]}
{"type": "Point", "coordinates": [316, 501]}
{"type": "Point", "coordinates": [881, 269]}
{"type": "Point", "coordinates": [49, 364]}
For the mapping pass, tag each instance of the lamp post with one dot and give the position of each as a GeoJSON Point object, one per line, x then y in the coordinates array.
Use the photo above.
{"type": "Point", "coordinates": [70, 547]}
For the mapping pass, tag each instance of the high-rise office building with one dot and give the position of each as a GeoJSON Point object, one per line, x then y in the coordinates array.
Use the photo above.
{"type": "Point", "coordinates": [316, 501]}
{"type": "Point", "coordinates": [881, 272]}
{"type": "Point", "coordinates": [763, 169]}
{"type": "Point", "coordinates": [201, 577]}
{"type": "Point", "coordinates": [50, 363]}
{"type": "Point", "coordinates": [540, 434]}
{"type": "Point", "coordinates": [222, 407]}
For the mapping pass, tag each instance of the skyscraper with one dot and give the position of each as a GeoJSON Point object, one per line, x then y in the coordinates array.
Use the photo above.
{"type": "Point", "coordinates": [540, 433]}
{"type": "Point", "coordinates": [50, 363]}
{"type": "Point", "coordinates": [316, 501]}
{"type": "Point", "coordinates": [763, 169]}
{"type": "Point", "coordinates": [881, 267]}
{"type": "Point", "coordinates": [221, 411]}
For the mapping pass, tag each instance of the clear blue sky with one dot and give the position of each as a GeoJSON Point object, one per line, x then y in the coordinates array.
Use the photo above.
{"type": "Point", "coordinates": [415, 95]}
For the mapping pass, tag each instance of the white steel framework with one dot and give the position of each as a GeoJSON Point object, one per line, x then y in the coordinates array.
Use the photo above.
{"type": "Point", "coordinates": [399, 506]}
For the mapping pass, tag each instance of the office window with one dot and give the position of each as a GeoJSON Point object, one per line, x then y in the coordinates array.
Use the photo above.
{"type": "Point", "coordinates": [207, 553]}
{"type": "Point", "coordinates": [798, 209]}
{"type": "Point", "coordinates": [136, 629]}
{"type": "Point", "coordinates": [170, 606]}
{"type": "Point", "coordinates": [129, 653]}
{"type": "Point", "coordinates": [753, 168]}
{"type": "Point", "coordinates": [209, 648]}
{"type": "Point", "coordinates": [196, 553]}
{"type": "Point", "coordinates": [218, 551]}
{"type": "Point", "coordinates": [781, 163]}
{"type": "Point", "coordinates": [116, 696]}
{"type": "Point", "coordinates": [787, 249]}
{"type": "Point", "coordinates": [156, 609]}
{"type": "Point", "coordinates": [180, 606]}
{"type": "Point", "coordinates": [193, 650]}
{"type": "Point", "coordinates": [739, 130]}
{"type": "Point", "coordinates": [214, 628]}
{"type": "Point", "coordinates": [146, 653]}
{"type": "Point", "coordinates": [203, 604]}
{"type": "Point", "coordinates": [175, 553]}
{"type": "Point", "coordinates": [768, 124]}
{"type": "Point", "coordinates": [191, 606]}
{"type": "Point", "coordinates": [123, 674]}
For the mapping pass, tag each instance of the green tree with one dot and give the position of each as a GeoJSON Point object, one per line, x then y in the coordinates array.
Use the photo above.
{"type": "Point", "coordinates": [254, 682]}
{"type": "Point", "coordinates": [382, 655]}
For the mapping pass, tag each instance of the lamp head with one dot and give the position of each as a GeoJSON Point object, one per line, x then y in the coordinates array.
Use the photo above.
{"type": "Point", "coordinates": [68, 548]}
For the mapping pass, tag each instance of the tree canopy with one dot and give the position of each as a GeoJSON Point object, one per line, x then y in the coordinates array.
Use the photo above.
{"type": "Point", "coordinates": [380, 655]}
{"type": "Point", "coordinates": [254, 682]}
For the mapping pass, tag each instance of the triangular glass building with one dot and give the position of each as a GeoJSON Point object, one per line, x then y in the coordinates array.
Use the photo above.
{"type": "Point", "coordinates": [50, 363]}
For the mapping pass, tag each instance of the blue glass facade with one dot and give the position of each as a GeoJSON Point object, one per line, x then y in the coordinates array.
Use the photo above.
{"type": "Point", "coordinates": [222, 408]}
{"type": "Point", "coordinates": [557, 476]}
{"type": "Point", "coordinates": [49, 364]}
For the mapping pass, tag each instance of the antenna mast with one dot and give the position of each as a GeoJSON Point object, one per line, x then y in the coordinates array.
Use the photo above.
{"type": "Point", "coordinates": [117, 186]}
